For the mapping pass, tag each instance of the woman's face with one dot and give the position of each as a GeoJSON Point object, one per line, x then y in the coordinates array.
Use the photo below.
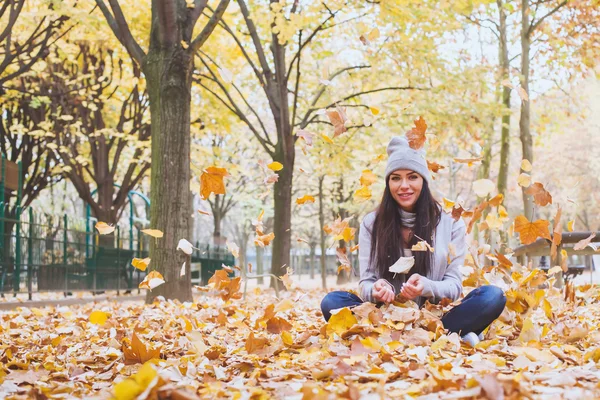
{"type": "Point", "coordinates": [405, 187]}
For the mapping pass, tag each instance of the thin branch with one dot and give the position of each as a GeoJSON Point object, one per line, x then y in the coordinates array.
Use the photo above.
{"type": "Point", "coordinates": [262, 59]}
{"type": "Point", "coordinates": [209, 27]}
{"type": "Point", "coordinates": [123, 33]}
{"type": "Point", "coordinates": [535, 24]}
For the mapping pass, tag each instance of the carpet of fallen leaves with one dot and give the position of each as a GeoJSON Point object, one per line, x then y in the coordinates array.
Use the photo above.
{"type": "Point", "coordinates": [545, 345]}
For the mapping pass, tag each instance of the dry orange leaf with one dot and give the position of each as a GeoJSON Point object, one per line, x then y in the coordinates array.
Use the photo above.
{"type": "Point", "coordinates": [434, 167]}
{"type": "Point", "coordinates": [211, 181]}
{"type": "Point", "coordinates": [469, 161]}
{"type": "Point", "coordinates": [338, 119]}
{"type": "Point", "coordinates": [540, 195]}
{"type": "Point", "coordinates": [264, 240]}
{"type": "Point", "coordinates": [140, 263]}
{"type": "Point", "coordinates": [477, 213]}
{"type": "Point", "coordinates": [305, 199]}
{"type": "Point", "coordinates": [529, 231]}
{"type": "Point", "coordinates": [416, 136]}
{"type": "Point", "coordinates": [277, 325]}
{"type": "Point", "coordinates": [496, 200]}
{"type": "Point", "coordinates": [254, 344]}
{"type": "Point", "coordinates": [137, 352]}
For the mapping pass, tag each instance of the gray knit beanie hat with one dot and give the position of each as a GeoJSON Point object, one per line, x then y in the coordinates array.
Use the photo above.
{"type": "Point", "coordinates": [402, 156]}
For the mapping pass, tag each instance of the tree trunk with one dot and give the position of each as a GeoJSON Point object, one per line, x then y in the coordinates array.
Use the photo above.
{"type": "Point", "coordinates": [168, 75]}
{"type": "Point", "coordinates": [322, 232]}
{"type": "Point", "coordinates": [504, 75]}
{"type": "Point", "coordinates": [260, 265]}
{"type": "Point", "coordinates": [312, 260]}
{"type": "Point", "coordinates": [283, 215]}
{"type": "Point", "coordinates": [524, 121]}
{"type": "Point", "coordinates": [217, 239]}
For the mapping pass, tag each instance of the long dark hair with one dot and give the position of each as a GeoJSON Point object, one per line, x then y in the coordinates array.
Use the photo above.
{"type": "Point", "coordinates": [386, 234]}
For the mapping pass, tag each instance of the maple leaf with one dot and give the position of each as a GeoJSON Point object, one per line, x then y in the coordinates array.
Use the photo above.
{"type": "Point", "coordinates": [211, 181]}
{"type": "Point", "coordinates": [557, 234]}
{"type": "Point", "coordinates": [338, 119]}
{"type": "Point", "coordinates": [434, 167]}
{"type": "Point", "coordinates": [264, 240]}
{"type": "Point", "coordinates": [136, 352]}
{"type": "Point", "coordinates": [540, 195]}
{"type": "Point", "coordinates": [416, 136]}
{"type": "Point", "coordinates": [277, 325]}
{"type": "Point", "coordinates": [363, 194]}
{"type": "Point", "coordinates": [342, 257]}
{"type": "Point", "coordinates": [530, 231]}
{"type": "Point", "coordinates": [254, 343]}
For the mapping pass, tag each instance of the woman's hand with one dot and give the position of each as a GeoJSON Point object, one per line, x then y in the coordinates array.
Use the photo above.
{"type": "Point", "coordinates": [413, 287]}
{"type": "Point", "coordinates": [382, 292]}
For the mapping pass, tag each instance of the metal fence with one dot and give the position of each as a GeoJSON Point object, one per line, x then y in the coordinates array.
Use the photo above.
{"type": "Point", "coordinates": [43, 253]}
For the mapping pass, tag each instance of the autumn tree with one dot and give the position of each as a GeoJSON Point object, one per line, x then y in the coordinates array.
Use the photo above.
{"type": "Point", "coordinates": [167, 66]}
{"type": "Point", "coordinates": [290, 93]}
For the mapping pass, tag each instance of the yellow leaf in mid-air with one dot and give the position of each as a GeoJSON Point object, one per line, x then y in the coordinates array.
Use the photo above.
{"type": "Point", "coordinates": [152, 280]}
{"type": "Point", "coordinates": [524, 180]}
{"type": "Point", "coordinates": [571, 225]}
{"type": "Point", "coordinates": [341, 321]}
{"type": "Point", "coordinates": [326, 138]}
{"type": "Point", "coordinates": [379, 158]}
{"type": "Point", "coordinates": [374, 110]}
{"type": "Point", "coordinates": [275, 166]}
{"type": "Point", "coordinates": [367, 178]}
{"type": "Point", "coordinates": [98, 317]}
{"type": "Point", "coordinates": [526, 165]}
{"type": "Point", "coordinates": [140, 263]}
{"type": "Point", "coordinates": [363, 194]}
{"type": "Point", "coordinates": [211, 181]}
{"type": "Point", "coordinates": [305, 199]}
{"type": "Point", "coordinates": [104, 229]}
{"type": "Point", "coordinates": [347, 234]}
{"type": "Point", "coordinates": [529, 231]}
{"type": "Point", "coordinates": [153, 232]}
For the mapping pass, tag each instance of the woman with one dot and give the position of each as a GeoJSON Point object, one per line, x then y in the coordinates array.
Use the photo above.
{"type": "Point", "coordinates": [408, 213]}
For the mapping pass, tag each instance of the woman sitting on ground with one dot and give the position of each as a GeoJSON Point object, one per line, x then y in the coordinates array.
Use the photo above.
{"type": "Point", "coordinates": [407, 214]}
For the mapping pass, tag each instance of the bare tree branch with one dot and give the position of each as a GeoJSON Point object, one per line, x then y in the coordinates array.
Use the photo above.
{"type": "Point", "coordinates": [209, 27]}
{"type": "Point", "coordinates": [535, 24]}
{"type": "Point", "coordinates": [122, 33]}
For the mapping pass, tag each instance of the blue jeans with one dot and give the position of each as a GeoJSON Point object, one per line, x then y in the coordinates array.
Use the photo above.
{"type": "Point", "coordinates": [475, 313]}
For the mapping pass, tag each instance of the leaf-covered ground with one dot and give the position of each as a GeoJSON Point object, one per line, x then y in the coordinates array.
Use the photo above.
{"type": "Point", "coordinates": [546, 346]}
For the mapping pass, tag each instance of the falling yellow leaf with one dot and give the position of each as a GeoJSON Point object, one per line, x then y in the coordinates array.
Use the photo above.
{"type": "Point", "coordinates": [326, 138]}
{"type": "Point", "coordinates": [483, 187]}
{"type": "Point", "coordinates": [524, 180]}
{"type": "Point", "coordinates": [530, 231]}
{"type": "Point", "coordinates": [275, 166]}
{"type": "Point", "coordinates": [104, 229]}
{"type": "Point", "coordinates": [374, 110]}
{"type": "Point", "coordinates": [98, 317]}
{"type": "Point", "coordinates": [140, 263]}
{"type": "Point", "coordinates": [571, 225]}
{"type": "Point", "coordinates": [211, 181]}
{"type": "Point", "coordinates": [363, 194]}
{"type": "Point", "coordinates": [264, 240]}
{"type": "Point", "coordinates": [367, 178]}
{"type": "Point", "coordinates": [202, 212]}
{"type": "Point", "coordinates": [153, 232]}
{"type": "Point", "coordinates": [526, 165]}
{"type": "Point", "coordinates": [305, 199]}
{"type": "Point", "coordinates": [379, 158]}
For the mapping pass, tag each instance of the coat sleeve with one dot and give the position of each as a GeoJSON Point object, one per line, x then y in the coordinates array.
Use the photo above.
{"type": "Point", "coordinates": [451, 284]}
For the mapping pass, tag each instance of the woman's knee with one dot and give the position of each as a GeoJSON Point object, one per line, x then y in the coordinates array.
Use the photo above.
{"type": "Point", "coordinates": [494, 298]}
{"type": "Point", "coordinates": [337, 299]}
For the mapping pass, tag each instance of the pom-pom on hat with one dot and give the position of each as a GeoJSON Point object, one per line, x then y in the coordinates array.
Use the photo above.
{"type": "Point", "coordinates": [402, 156]}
